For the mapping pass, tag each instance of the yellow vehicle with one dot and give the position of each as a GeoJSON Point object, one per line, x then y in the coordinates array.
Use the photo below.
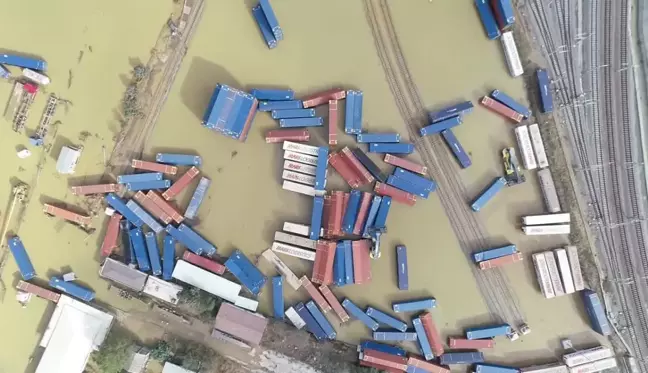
{"type": "Point", "coordinates": [512, 171]}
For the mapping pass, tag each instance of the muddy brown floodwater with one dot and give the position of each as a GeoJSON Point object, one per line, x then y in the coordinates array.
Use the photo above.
{"type": "Point", "coordinates": [91, 48]}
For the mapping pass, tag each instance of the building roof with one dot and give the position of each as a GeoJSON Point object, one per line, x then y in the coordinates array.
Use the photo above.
{"type": "Point", "coordinates": [67, 160]}
{"type": "Point", "coordinates": [74, 331]}
{"type": "Point", "coordinates": [163, 290]}
{"type": "Point", "coordinates": [172, 368]}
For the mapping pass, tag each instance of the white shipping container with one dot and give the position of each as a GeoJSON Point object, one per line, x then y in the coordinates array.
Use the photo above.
{"type": "Point", "coordinates": [207, 281]}
{"type": "Point", "coordinates": [524, 143]}
{"type": "Point", "coordinates": [587, 356]}
{"type": "Point", "coordinates": [299, 167]}
{"type": "Point", "coordinates": [511, 54]}
{"type": "Point", "coordinates": [248, 304]}
{"type": "Point", "coordinates": [300, 148]}
{"type": "Point", "coordinates": [549, 190]}
{"type": "Point", "coordinates": [302, 158]}
{"type": "Point", "coordinates": [294, 318]}
{"type": "Point", "coordinates": [300, 229]}
{"type": "Point", "coordinates": [36, 77]}
{"type": "Point", "coordinates": [281, 267]}
{"type": "Point", "coordinates": [293, 251]}
{"type": "Point", "coordinates": [546, 219]}
{"type": "Point", "coordinates": [565, 271]}
{"type": "Point", "coordinates": [297, 177]}
{"type": "Point", "coordinates": [542, 272]}
{"type": "Point", "coordinates": [298, 188]}
{"type": "Point", "coordinates": [538, 146]}
{"type": "Point", "coordinates": [160, 289]}
{"type": "Point", "coordinates": [295, 240]}
{"type": "Point", "coordinates": [554, 275]}
{"type": "Point", "coordinates": [549, 368]}
{"type": "Point", "coordinates": [540, 230]}
{"type": "Point", "coordinates": [595, 366]}
{"type": "Point", "coordinates": [574, 263]}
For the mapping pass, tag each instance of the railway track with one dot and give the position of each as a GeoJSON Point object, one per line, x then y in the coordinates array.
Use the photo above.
{"type": "Point", "coordinates": [494, 285]}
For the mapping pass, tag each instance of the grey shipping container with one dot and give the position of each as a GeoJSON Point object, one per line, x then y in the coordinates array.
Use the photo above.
{"type": "Point", "coordinates": [123, 275]}
{"type": "Point", "coordinates": [548, 190]}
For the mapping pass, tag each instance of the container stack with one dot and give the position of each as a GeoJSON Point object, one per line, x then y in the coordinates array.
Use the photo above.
{"type": "Point", "coordinates": [268, 24]}
{"type": "Point", "coordinates": [498, 17]}
{"type": "Point", "coordinates": [230, 112]}
{"type": "Point", "coordinates": [497, 257]}
{"type": "Point", "coordinates": [442, 122]}
{"type": "Point", "coordinates": [548, 224]}
{"type": "Point", "coordinates": [558, 271]}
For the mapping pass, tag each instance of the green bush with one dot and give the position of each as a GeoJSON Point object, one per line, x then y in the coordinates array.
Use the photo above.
{"type": "Point", "coordinates": [162, 351]}
{"type": "Point", "coordinates": [114, 353]}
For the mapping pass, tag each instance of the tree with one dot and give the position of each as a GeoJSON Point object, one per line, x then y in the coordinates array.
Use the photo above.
{"type": "Point", "coordinates": [162, 351]}
{"type": "Point", "coordinates": [114, 353]}
{"type": "Point", "coordinates": [140, 72]}
{"type": "Point", "coordinates": [197, 357]}
{"type": "Point", "coordinates": [200, 301]}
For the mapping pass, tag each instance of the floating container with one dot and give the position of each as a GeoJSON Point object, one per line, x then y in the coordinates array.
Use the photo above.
{"type": "Point", "coordinates": [559, 218]}
{"type": "Point", "coordinates": [351, 213]}
{"type": "Point", "coordinates": [25, 62]}
{"type": "Point", "coordinates": [363, 210]}
{"type": "Point", "coordinates": [206, 247]}
{"type": "Point", "coordinates": [277, 297]}
{"type": "Point", "coordinates": [311, 324]}
{"type": "Point", "coordinates": [419, 181]}
{"type": "Point", "coordinates": [282, 268]}
{"type": "Point", "coordinates": [168, 257]}
{"type": "Point", "coordinates": [492, 368]}
{"type": "Point", "coordinates": [381, 347]}
{"type": "Point", "coordinates": [335, 303]}
{"type": "Point", "coordinates": [383, 210]}
{"type": "Point", "coordinates": [293, 251]}
{"type": "Point", "coordinates": [72, 289]}
{"type": "Point", "coordinates": [414, 305]}
{"type": "Point", "coordinates": [494, 253]}
{"type": "Point", "coordinates": [404, 163]}
{"type": "Point", "coordinates": [95, 189]}
{"type": "Point", "coordinates": [273, 95]}
{"type": "Point", "coordinates": [197, 198]}
{"type": "Point", "coordinates": [301, 158]}
{"type": "Point", "coordinates": [148, 185]}
{"type": "Point", "coordinates": [316, 217]}
{"type": "Point", "coordinates": [398, 148]}
{"type": "Point", "coordinates": [456, 148]}
{"type": "Point", "coordinates": [272, 21]}
{"type": "Point", "coordinates": [459, 109]}
{"type": "Point", "coordinates": [565, 270]}
{"type": "Point", "coordinates": [153, 253]}
{"type": "Point", "coordinates": [432, 333]}
{"type": "Point", "coordinates": [280, 105]}
{"type": "Point", "coordinates": [356, 312]}
{"type": "Point", "coordinates": [538, 146]}
{"type": "Point", "coordinates": [504, 13]}
{"type": "Point", "coordinates": [385, 360]}
{"type": "Point", "coordinates": [24, 264]}
{"type": "Point", "coordinates": [394, 336]}
{"type": "Point", "coordinates": [386, 319]}
{"type": "Point", "coordinates": [181, 184]}
{"type": "Point", "coordinates": [299, 167]}
{"type": "Point", "coordinates": [588, 355]}
{"type": "Point", "coordinates": [281, 135]}
{"type": "Point", "coordinates": [402, 184]}
{"type": "Point", "coordinates": [137, 240]}
{"type": "Point", "coordinates": [324, 260]}
{"type": "Point", "coordinates": [178, 159]}
{"type": "Point", "coordinates": [501, 261]}
{"type": "Point", "coordinates": [542, 273]}
{"type": "Point", "coordinates": [437, 127]}
{"type": "Point", "coordinates": [415, 365]}
{"type": "Point", "coordinates": [348, 262]}
{"type": "Point", "coordinates": [4, 73]}
{"type": "Point", "coordinates": [356, 166]}
{"type": "Point", "coordinates": [378, 137]}
{"type": "Point", "coordinates": [301, 122]}
{"type": "Point", "coordinates": [495, 187]}
{"type": "Point", "coordinates": [295, 240]}
{"type": "Point", "coordinates": [554, 273]}
{"type": "Point", "coordinates": [470, 344]}
{"type": "Point", "coordinates": [544, 88]}
{"type": "Point", "coordinates": [332, 122]}
{"type": "Point", "coordinates": [116, 203]}
{"type": "Point", "coordinates": [501, 109]}
{"type": "Point", "coordinates": [137, 178]}
{"type": "Point", "coordinates": [293, 113]}
{"type": "Point", "coordinates": [574, 263]}
{"type": "Point", "coordinates": [110, 238]}
{"type": "Point", "coordinates": [206, 281]}
{"type": "Point", "coordinates": [145, 216]}
{"type": "Point", "coordinates": [246, 272]}
{"type": "Point", "coordinates": [511, 103]}
{"type": "Point", "coordinates": [461, 358]}
{"type": "Point", "coordinates": [526, 148]}
{"type": "Point", "coordinates": [320, 169]}
{"type": "Point", "coordinates": [371, 215]}
{"type": "Point", "coordinates": [490, 331]}
{"type": "Point", "coordinates": [165, 206]}
{"type": "Point", "coordinates": [204, 263]}
{"type": "Point", "coordinates": [315, 294]}
{"type": "Point", "coordinates": [402, 272]}
{"type": "Point", "coordinates": [543, 230]}
{"type": "Point", "coordinates": [324, 97]}
{"type": "Point", "coordinates": [38, 291]}
{"type": "Point", "coordinates": [294, 318]}
{"type": "Point", "coordinates": [342, 167]}
{"type": "Point", "coordinates": [36, 77]}
{"type": "Point", "coordinates": [321, 320]}
{"type": "Point", "coordinates": [395, 193]}
{"type": "Point", "coordinates": [154, 167]}
{"type": "Point", "coordinates": [511, 52]}
{"type": "Point", "coordinates": [373, 169]}
{"type": "Point", "coordinates": [190, 244]}
{"type": "Point", "coordinates": [595, 366]}
{"type": "Point", "coordinates": [424, 344]}
{"type": "Point", "coordinates": [339, 278]}
{"type": "Point", "coordinates": [596, 312]}
{"type": "Point", "coordinates": [487, 19]}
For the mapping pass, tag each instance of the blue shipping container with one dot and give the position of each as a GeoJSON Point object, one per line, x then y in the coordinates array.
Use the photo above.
{"type": "Point", "coordinates": [371, 215]}
{"type": "Point", "coordinates": [153, 253]}
{"type": "Point", "coordinates": [377, 137]}
{"type": "Point", "coordinates": [129, 252]}
{"type": "Point", "coordinates": [504, 13]}
{"type": "Point", "coordinates": [190, 244]}
{"type": "Point", "coordinates": [321, 320]}
{"type": "Point", "coordinates": [386, 319]}
{"type": "Point", "coordinates": [21, 257]}
{"type": "Point", "coordinates": [415, 179]}
{"type": "Point", "coordinates": [401, 270]}
{"type": "Point", "coordinates": [4, 73]}
{"type": "Point", "coordinates": [461, 358]}
{"type": "Point", "coordinates": [451, 111]}
{"type": "Point", "coordinates": [424, 342]}
{"type": "Point", "coordinates": [168, 260]}
{"type": "Point", "coordinates": [20, 61]}
{"type": "Point", "coordinates": [348, 262]}
{"type": "Point", "coordinates": [311, 323]}
{"type": "Point", "coordinates": [212, 108]}
{"type": "Point", "coordinates": [316, 217]}
{"type": "Point", "coordinates": [357, 112]}
{"type": "Point", "coordinates": [277, 297]}
{"type": "Point", "coordinates": [272, 20]}
{"type": "Point", "coordinates": [178, 159]}
{"type": "Point", "coordinates": [136, 178]}
{"type": "Point", "coordinates": [394, 336]}
{"type": "Point", "coordinates": [120, 206]}
{"type": "Point", "coordinates": [246, 272]}
{"type": "Point", "coordinates": [301, 122]}
{"type": "Point", "coordinates": [320, 169]}
{"type": "Point", "coordinates": [487, 19]}
{"type": "Point", "coordinates": [413, 369]}
{"type": "Point", "coordinates": [544, 87]}
{"type": "Point", "coordinates": [490, 331]}
{"type": "Point", "coordinates": [137, 240]}
{"type": "Point", "coordinates": [381, 347]}
{"type": "Point", "coordinates": [230, 114]}
{"type": "Point", "coordinates": [145, 216]}
{"type": "Point", "coordinates": [414, 305]}
{"type": "Point", "coordinates": [293, 113]}
{"type": "Point", "coordinates": [148, 185]}
{"type": "Point", "coordinates": [369, 164]}
{"type": "Point", "coordinates": [383, 210]}
{"type": "Point", "coordinates": [264, 27]}
{"type": "Point", "coordinates": [356, 312]}
{"type": "Point", "coordinates": [273, 94]}
{"type": "Point", "coordinates": [351, 213]}
{"type": "Point", "coordinates": [216, 115]}
{"type": "Point", "coordinates": [403, 184]}
{"type": "Point", "coordinates": [280, 105]}
{"type": "Point", "coordinates": [246, 116]}
{"type": "Point", "coordinates": [495, 187]}
{"type": "Point", "coordinates": [596, 312]}
{"type": "Point", "coordinates": [197, 198]}
{"type": "Point", "coordinates": [493, 368]}
{"type": "Point", "coordinates": [511, 103]}
{"type": "Point", "coordinates": [349, 127]}
{"type": "Point", "coordinates": [493, 253]}
{"type": "Point", "coordinates": [206, 247]}
{"type": "Point", "coordinates": [393, 148]}
{"type": "Point", "coordinates": [72, 289]}
{"type": "Point", "coordinates": [456, 148]}
{"type": "Point", "coordinates": [437, 127]}
{"type": "Point", "coordinates": [339, 277]}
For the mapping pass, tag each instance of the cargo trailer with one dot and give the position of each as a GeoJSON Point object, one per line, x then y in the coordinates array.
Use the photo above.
{"type": "Point", "coordinates": [501, 109]}
{"type": "Point", "coordinates": [494, 253]}
{"type": "Point", "coordinates": [277, 297]}
{"type": "Point", "coordinates": [205, 246]}
{"type": "Point", "coordinates": [470, 344]}
{"type": "Point", "coordinates": [71, 288]}
{"type": "Point", "coordinates": [595, 366]}
{"type": "Point", "coordinates": [404, 163]}
{"type": "Point", "coordinates": [432, 333]}
{"type": "Point", "coordinates": [538, 146]}
{"type": "Point", "coordinates": [501, 261]}
{"type": "Point", "coordinates": [137, 178]}
{"type": "Point", "coordinates": [443, 125]}
{"type": "Point", "coordinates": [386, 319]}
{"type": "Point", "coordinates": [294, 318]}
{"type": "Point", "coordinates": [38, 291]}
{"type": "Point", "coordinates": [393, 148]}
{"type": "Point", "coordinates": [145, 216]}
{"type": "Point", "coordinates": [24, 264]}
{"type": "Point", "coordinates": [544, 88]}
{"type": "Point", "coordinates": [321, 320]}
{"type": "Point", "coordinates": [273, 22]}
{"type": "Point", "coordinates": [565, 270]}
{"type": "Point", "coordinates": [373, 169]}
{"type": "Point", "coordinates": [402, 273]}
{"type": "Point", "coordinates": [381, 347]}
{"type": "Point", "coordinates": [548, 190]}
{"type": "Point", "coordinates": [293, 251]}
{"type": "Point", "coordinates": [554, 274]}
{"type": "Point", "coordinates": [489, 331]}
{"type": "Point", "coordinates": [320, 169]}
{"type": "Point", "coordinates": [311, 324]}
{"type": "Point", "coordinates": [301, 122]}
{"type": "Point", "coordinates": [282, 268]}
{"type": "Point", "coordinates": [197, 198]}
{"type": "Point", "coordinates": [449, 358]}
{"type": "Point", "coordinates": [148, 185]}
{"type": "Point", "coordinates": [414, 305]}
{"type": "Point", "coordinates": [488, 19]}
{"type": "Point", "coordinates": [109, 242]}
{"type": "Point", "coordinates": [264, 27]}
{"type": "Point", "coordinates": [348, 262]}
{"type": "Point", "coordinates": [137, 240]}
{"type": "Point", "coordinates": [181, 184]}
{"type": "Point", "coordinates": [324, 97]}
{"type": "Point", "coordinates": [561, 218]}
{"type": "Point", "coordinates": [95, 189]}
{"type": "Point", "coordinates": [459, 109]}
{"type": "Point", "coordinates": [423, 341]}
{"type": "Point", "coordinates": [120, 206]}
{"type": "Point", "coordinates": [246, 272]}
{"type": "Point", "coordinates": [542, 273]}
{"type": "Point", "coordinates": [323, 265]}
{"type": "Point", "coordinates": [207, 281]}
{"type": "Point", "coordinates": [395, 193]}
{"type": "Point", "coordinates": [495, 187]}
{"type": "Point", "coordinates": [538, 230]}
{"type": "Point", "coordinates": [365, 138]}
{"type": "Point", "coordinates": [526, 148]}
{"type": "Point", "coordinates": [492, 368]}
{"type": "Point", "coordinates": [596, 312]}
{"type": "Point", "coordinates": [389, 361]}
{"type": "Point", "coordinates": [357, 313]}
{"type": "Point", "coordinates": [394, 336]}
{"type": "Point", "coordinates": [154, 167]}
{"type": "Point", "coordinates": [574, 264]}
{"type": "Point", "coordinates": [332, 122]}
{"type": "Point", "coordinates": [511, 53]}
{"type": "Point", "coordinates": [455, 147]}
{"type": "Point", "coordinates": [334, 303]}
{"type": "Point", "coordinates": [292, 113]}
{"type": "Point", "coordinates": [587, 355]}
{"type": "Point", "coordinates": [511, 103]}
{"type": "Point", "coordinates": [24, 62]}
{"type": "Point", "coordinates": [270, 94]}
{"type": "Point", "coordinates": [178, 159]}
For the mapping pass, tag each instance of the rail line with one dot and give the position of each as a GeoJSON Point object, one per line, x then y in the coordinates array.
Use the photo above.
{"type": "Point", "coordinates": [493, 285]}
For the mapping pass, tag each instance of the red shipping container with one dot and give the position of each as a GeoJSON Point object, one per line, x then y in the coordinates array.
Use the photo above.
{"type": "Point", "coordinates": [497, 262]}
{"type": "Point", "coordinates": [395, 193]}
{"type": "Point", "coordinates": [150, 206]}
{"type": "Point", "coordinates": [244, 325]}
{"type": "Point", "coordinates": [203, 262]}
{"type": "Point", "coordinates": [337, 162]}
{"type": "Point", "coordinates": [361, 261]}
{"type": "Point", "coordinates": [180, 184]}
{"type": "Point", "coordinates": [430, 367]}
{"type": "Point", "coordinates": [405, 163]}
{"type": "Point", "coordinates": [502, 109]}
{"type": "Point", "coordinates": [249, 120]}
{"type": "Point", "coordinates": [67, 215]}
{"type": "Point", "coordinates": [378, 366]}
{"type": "Point", "coordinates": [335, 221]}
{"type": "Point", "coordinates": [432, 334]}
{"type": "Point", "coordinates": [470, 344]}
{"type": "Point", "coordinates": [365, 203]}
{"type": "Point", "coordinates": [38, 291]}
{"type": "Point", "coordinates": [95, 189]}
{"type": "Point", "coordinates": [326, 215]}
{"type": "Point", "coordinates": [323, 97]}
{"type": "Point", "coordinates": [315, 294]}
{"type": "Point", "coordinates": [112, 233]}
{"type": "Point", "coordinates": [288, 134]}
{"type": "Point", "coordinates": [385, 359]}
{"type": "Point", "coordinates": [155, 167]}
{"type": "Point", "coordinates": [323, 266]}
{"type": "Point", "coordinates": [165, 206]}
{"type": "Point", "coordinates": [332, 122]}
{"type": "Point", "coordinates": [334, 302]}
{"type": "Point", "coordinates": [363, 174]}
{"type": "Point", "coordinates": [345, 203]}
{"type": "Point", "coordinates": [498, 15]}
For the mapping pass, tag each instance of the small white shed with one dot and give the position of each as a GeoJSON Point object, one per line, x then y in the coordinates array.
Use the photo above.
{"type": "Point", "coordinates": [172, 368]}
{"type": "Point", "coordinates": [67, 160]}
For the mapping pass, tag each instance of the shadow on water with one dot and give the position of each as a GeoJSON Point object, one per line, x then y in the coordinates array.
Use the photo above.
{"type": "Point", "coordinates": [59, 143]}
{"type": "Point", "coordinates": [198, 86]}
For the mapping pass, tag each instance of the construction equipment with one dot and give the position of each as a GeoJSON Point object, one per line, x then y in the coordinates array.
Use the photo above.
{"type": "Point", "coordinates": [512, 170]}
{"type": "Point", "coordinates": [22, 113]}
{"type": "Point", "coordinates": [19, 195]}
{"type": "Point", "coordinates": [43, 127]}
